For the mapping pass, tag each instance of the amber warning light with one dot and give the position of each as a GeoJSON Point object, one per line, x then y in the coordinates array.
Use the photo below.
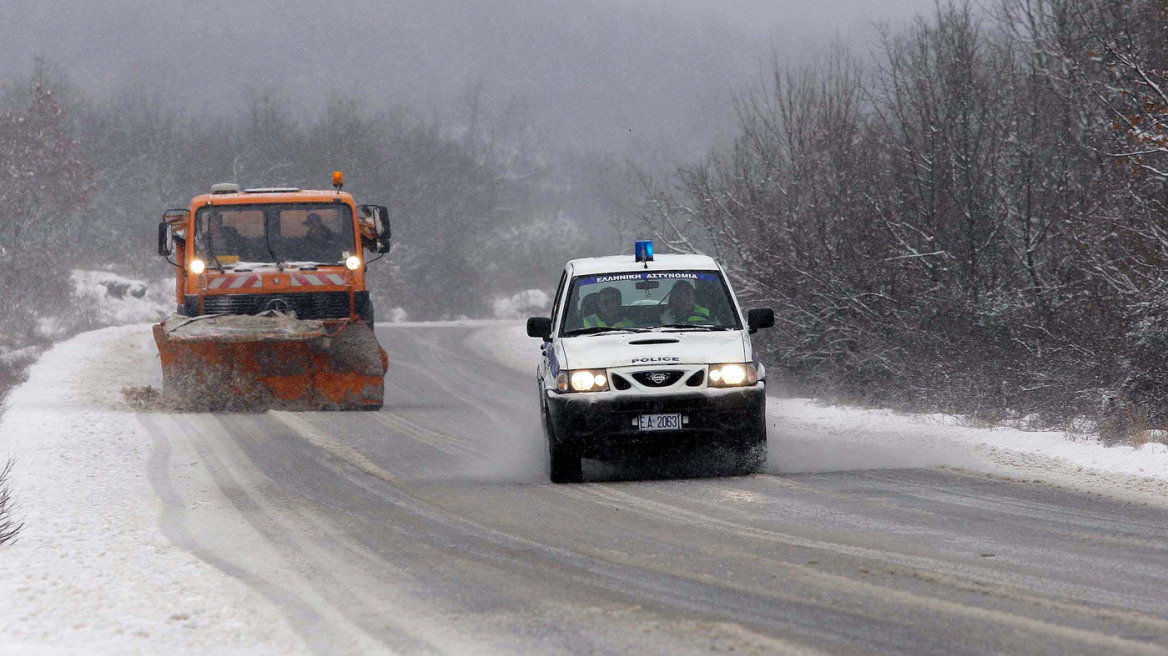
{"type": "Point", "coordinates": [338, 180]}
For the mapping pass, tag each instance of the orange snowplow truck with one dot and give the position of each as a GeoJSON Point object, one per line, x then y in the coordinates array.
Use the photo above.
{"type": "Point", "coordinates": [273, 310]}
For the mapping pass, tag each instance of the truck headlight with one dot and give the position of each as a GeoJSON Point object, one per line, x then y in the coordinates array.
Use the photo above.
{"type": "Point", "coordinates": [198, 266]}
{"type": "Point", "coordinates": [733, 375]}
{"type": "Point", "coordinates": [353, 262]}
{"type": "Point", "coordinates": [582, 380]}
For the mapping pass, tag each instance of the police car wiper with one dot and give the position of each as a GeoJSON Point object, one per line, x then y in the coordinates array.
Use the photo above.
{"type": "Point", "coordinates": [687, 326]}
{"type": "Point", "coordinates": [605, 329]}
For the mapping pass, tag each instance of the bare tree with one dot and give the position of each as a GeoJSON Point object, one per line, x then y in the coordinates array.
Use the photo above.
{"type": "Point", "coordinates": [9, 526]}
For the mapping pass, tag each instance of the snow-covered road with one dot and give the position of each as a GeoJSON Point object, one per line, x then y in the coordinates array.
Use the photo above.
{"type": "Point", "coordinates": [429, 526]}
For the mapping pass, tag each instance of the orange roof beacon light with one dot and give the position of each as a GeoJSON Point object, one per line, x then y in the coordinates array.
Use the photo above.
{"type": "Point", "coordinates": [338, 180]}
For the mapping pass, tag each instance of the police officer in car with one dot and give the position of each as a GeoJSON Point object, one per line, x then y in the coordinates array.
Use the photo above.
{"type": "Point", "coordinates": [682, 308]}
{"type": "Point", "coordinates": [610, 311]}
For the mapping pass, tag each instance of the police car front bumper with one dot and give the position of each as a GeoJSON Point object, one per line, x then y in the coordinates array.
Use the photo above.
{"type": "Point", "coordinates": [605, 424]}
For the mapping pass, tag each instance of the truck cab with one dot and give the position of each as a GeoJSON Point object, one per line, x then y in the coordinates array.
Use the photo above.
{"type": "Point", "coordinates": [644, 353]}
{"type": "Point", "coordinates": [291, 250]}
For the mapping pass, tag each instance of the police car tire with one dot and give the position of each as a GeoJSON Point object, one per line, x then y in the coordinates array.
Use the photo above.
{"type": "Point", "coordinates": [565, 464]}
{"type": "Point", "coordinates": [751, 457]}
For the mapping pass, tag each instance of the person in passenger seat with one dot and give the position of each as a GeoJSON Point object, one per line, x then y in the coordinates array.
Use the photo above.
{"type": "Point", "coordinates": [321, 244]}
{"type": "Point", "coordinates": [610, 311]}
{"type": "Point", "coordinates": [682, 308]}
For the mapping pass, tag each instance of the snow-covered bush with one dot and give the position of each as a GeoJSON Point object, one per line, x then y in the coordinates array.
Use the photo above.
{"type": "Point", "coordinates": [523, 304]}
{"type": "Point", "coordinates": [9, 527]}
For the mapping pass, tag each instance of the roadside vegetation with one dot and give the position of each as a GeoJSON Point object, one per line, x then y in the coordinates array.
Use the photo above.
{"type": "Point", "coordinates": [972, 220]}
{"type": "Point", "coordinates": [9, 526]}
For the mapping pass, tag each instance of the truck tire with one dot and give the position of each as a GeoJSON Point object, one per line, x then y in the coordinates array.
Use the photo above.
{"type": "Point", "coordinates": [365, 308]}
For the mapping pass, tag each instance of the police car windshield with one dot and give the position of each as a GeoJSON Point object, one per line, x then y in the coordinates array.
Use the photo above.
{"type": "Point", "coordinates": [288, 232]}
{"type": "Point", "coordinates": [641, 300]}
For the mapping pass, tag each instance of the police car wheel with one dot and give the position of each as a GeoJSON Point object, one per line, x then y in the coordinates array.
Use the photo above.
{"type": "Point", "coordinates": [750, 458]}
{"type": "Point", "coordinates": [564, 463]}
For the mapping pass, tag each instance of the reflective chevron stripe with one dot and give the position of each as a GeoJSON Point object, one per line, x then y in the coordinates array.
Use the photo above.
{"type": "Point", "coordinates": [316, 279]}
{"type": "Point", "coordinates": [235, 282]}
{"type": "Point", "coordinates": [257, 282]}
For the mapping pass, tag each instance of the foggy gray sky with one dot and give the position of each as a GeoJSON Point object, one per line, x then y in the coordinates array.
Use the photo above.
{"type": "Point", "coordinates": [600, 74]}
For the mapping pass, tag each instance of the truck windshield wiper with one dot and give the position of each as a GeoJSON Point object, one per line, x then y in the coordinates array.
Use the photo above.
{"type": "Point", "coordinates": [605, 329]}
{"type": "Point", "coordinates": [211, 251]}
{"type": "Point", "coordinates": [275, 258]}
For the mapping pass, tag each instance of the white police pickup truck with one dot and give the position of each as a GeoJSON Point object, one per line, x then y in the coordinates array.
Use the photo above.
{"type": "Point", "coordinates": [644, 353]}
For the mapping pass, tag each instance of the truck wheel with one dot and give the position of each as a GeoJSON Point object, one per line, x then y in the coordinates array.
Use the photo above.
{"type": "Point", "coordinates": [565, 466]}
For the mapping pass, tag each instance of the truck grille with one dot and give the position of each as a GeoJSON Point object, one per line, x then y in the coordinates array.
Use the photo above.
{"type": "Point", "coordinates": [310, 305]}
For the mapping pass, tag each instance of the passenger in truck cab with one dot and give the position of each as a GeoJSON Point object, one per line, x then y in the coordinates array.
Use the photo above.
{"type": "Point", "coordinates": [682, 309]}
{"type": "Point", "coordinates": [610, 311]}
{"type": "Point", "coordinates": [318, 232]}
{"type": "Point", "coordinates": [320, 242]}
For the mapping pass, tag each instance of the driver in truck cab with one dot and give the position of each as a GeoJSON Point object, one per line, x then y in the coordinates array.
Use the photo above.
{"type": "Point", "coordinates": [610, 307]}
{"type": "Point", "coordinates": [224, 240]}
{"type": "Point", "coordinates": [682, 309]}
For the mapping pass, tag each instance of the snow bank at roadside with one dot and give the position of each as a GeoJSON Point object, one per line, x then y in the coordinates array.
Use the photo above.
{"type": "Point", "coordinates": [104, 298]}
{"type": "Point", "coordinates": [806, 436]}
{"type": "Point", "coordinates": [92, 571]}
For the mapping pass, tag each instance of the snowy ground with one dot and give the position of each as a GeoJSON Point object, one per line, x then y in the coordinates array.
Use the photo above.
{"type": "Point", "coordinates": [93, 572]}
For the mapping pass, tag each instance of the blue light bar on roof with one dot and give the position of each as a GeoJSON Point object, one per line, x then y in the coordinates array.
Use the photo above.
{"type": "Point", "coordinates": [644, 250]}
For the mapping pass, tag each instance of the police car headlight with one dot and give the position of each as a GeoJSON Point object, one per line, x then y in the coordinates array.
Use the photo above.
{"type": "Point", "coordinates": [582, 380]}
{"type": "Point", "coordinates": [198, 266]}
{"type": "Point", "coordinates": [733, 375]}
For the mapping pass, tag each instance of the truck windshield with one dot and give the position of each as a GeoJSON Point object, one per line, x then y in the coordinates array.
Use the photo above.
{"type": "Point", "coordinates": [667, 300]}
{"type": "Point", "coordinates": [320, 233]}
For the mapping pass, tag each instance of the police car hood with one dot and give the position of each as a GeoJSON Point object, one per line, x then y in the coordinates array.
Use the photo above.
{"type": "Point", "coordinates": [609, 350]}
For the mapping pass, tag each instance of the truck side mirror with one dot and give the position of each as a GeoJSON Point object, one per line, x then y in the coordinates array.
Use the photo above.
{"type": "Point", "coordinates": [760, 318]}
{"type": "Point", "coordinates": [165, 245]}
{"type": "Point", "coordinates": [540, 327]}
{"type": "Point", "coordinates": [383, 229]}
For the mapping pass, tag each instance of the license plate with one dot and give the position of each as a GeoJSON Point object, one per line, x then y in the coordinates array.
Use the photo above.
{"type": "Point", "coordinates": [659, 422]}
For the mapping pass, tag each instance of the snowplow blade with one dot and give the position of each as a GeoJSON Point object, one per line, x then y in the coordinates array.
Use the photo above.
{"type": "Point", "coordinates": [255, 363]}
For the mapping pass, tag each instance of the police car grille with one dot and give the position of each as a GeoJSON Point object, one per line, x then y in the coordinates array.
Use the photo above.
{"type": "Point", "coordinates": [319, 305]}
{"type": "Point", "coordinates": [658, 378]}
{"type": "Point", "coordinates": [620, 382]}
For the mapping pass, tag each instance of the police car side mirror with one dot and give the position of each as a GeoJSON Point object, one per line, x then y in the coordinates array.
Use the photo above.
{"type": "Point", "coordinates": [540, 327]}
{"type": "Point", "coordinates": [760, 318]}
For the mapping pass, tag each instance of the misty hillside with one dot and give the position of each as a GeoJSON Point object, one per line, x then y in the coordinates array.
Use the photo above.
{"type": "Point", "coordinates": [601, 72]}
